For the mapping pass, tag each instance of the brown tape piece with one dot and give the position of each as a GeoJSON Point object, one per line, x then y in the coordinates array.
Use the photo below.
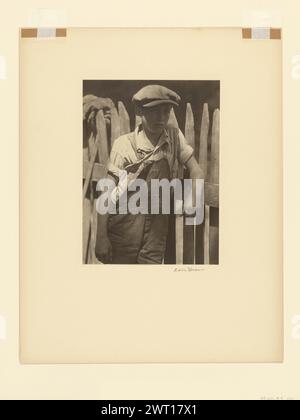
{"type": "Point", "coordinates": [32, 32]}
{"type": "Point", "coordinates": [28, 32]}
{"type": "Point", "coordinates": [61, 32]}
{"type": "Point", "coordinates": [247, 33]}
{"type": "Point", "coordinates": [275, 33]}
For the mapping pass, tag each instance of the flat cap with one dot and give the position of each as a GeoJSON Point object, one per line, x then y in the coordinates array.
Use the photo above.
{"type": "Point", "coordinates": [153, 95]}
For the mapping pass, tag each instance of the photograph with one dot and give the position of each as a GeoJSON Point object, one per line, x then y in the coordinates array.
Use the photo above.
{"type": "Point", "coordinates": [151, 172]}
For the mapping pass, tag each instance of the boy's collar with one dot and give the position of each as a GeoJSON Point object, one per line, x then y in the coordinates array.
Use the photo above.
{"type": "Point", "coordinates": [164, 136]}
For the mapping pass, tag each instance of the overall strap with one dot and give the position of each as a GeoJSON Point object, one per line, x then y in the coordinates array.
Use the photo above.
{"type": "Point", "coordinates": [141, 162]}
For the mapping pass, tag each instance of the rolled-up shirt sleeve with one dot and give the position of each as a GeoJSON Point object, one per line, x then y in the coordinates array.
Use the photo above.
{"type": "Point", "coordinates": [185, 150]}
{"type": "Point", "coordinates": [116, 162]}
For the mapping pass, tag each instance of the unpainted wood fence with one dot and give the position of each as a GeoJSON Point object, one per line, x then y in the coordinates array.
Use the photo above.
{"type": "Point", "coordinates": [186, 244]}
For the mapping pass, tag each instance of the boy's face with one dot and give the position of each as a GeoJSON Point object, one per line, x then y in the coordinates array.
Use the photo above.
{"type": "Point", "coordinates": [156, 118]}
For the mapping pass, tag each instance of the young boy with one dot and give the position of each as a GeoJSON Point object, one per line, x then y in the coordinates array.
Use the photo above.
{"type": "Point", "coordinates": [154, 151]}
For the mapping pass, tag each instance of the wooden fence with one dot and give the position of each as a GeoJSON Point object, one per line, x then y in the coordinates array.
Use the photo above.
{"type": "Point", "coordinates": [186, 244]}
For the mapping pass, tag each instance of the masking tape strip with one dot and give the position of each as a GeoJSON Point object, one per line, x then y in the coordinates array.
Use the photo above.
{"type": "Point", "coordinates": [43, 32]}
{"type": "Point", "coordinates": [47, 18]}
{"type": "Point", "coordinates": [262, 33]}
{"type": "Point", "coordinates": [262, 24]}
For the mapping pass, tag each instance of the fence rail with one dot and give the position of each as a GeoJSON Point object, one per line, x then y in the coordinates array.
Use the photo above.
{"type": "Point", "coordinates": [186, 244]}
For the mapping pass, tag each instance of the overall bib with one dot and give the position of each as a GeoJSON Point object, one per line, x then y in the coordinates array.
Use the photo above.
{"type": "Point", "coordinates": [141, 238]}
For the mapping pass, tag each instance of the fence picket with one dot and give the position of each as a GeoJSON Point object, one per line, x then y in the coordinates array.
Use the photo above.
{"type": "Point", "coordinates": [102, 147]}
{"type": "Point", "coordinates": [214, 166]}
{"type": "Point", "coordinates": [101, 138]}
{"type": "Point", "coordinates": [170, 257]}
{"type": "Point", "coordinates": [86, 205]}
{"type": "Point", "coordinates": [124, 119]}
{"type": "Point", "coordinates": [92, 243]}
{"type": "Point", "coordinates": [206, 234]}
{"type": "Point", "coordinates": [179, 238]}
{"type": "Point", "coordinates": [189, 130]}
{"type": "Point", "coordinates": [89, 172]}
{"type": "Point", "coordinates": [200, 229]}
{"type": "Point", "coordinates": [214, 179]}
{"type": "Point", "coordinates": [86, 228]}
{"type": "Point", "coordinates": [115, 126]}
{"type": "Point", "coordinates": [189, 231]}
{"type": "Point", "coordinates": [204, 140]}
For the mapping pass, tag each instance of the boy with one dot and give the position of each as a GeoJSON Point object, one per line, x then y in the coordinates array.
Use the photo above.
{"type": "Point", "coordinates": [154, 151]}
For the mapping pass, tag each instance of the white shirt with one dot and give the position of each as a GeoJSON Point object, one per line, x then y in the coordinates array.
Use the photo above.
{"type": "Point", "coordinates": [172, 145]}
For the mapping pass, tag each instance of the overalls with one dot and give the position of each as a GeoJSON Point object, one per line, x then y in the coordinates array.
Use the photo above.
{"type": "Point", "coordinates": [141, 238]}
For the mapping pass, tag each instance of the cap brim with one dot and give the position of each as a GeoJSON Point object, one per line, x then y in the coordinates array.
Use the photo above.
{"type": "Point", "coordinates": [159, 102]}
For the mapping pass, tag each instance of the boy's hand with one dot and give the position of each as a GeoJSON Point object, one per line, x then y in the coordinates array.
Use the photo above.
{"type": "Point", "coordinates": [103, 250]}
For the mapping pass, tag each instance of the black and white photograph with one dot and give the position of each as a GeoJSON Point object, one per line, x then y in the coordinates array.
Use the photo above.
{"type": "Point", "coordinates": [151, 172]}
{"type": "Point", "coordinates": [181, 168]}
